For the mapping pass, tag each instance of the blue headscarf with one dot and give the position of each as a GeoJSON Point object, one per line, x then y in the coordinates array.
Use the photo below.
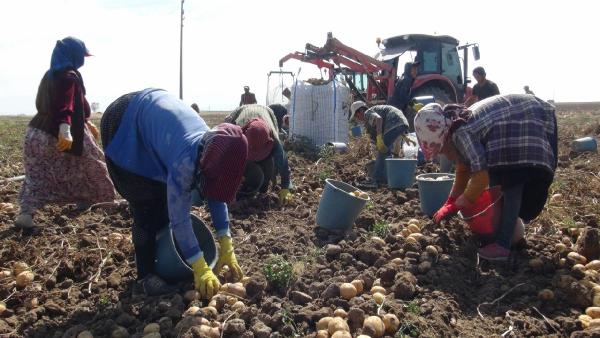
{"type": "Point", "coordinates": [68, 54]}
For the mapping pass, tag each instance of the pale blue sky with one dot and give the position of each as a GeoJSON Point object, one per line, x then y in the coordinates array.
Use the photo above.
{"type": "Point", "coordinates": [228, 44]}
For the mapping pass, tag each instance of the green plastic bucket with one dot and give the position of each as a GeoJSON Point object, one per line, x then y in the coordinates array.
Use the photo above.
{"type": "Point", "coordinates": [169, 264]}
{"type": "Point", "coordinates": [338, 208]}
{"type": "Point", "coordinates": [434, 190]}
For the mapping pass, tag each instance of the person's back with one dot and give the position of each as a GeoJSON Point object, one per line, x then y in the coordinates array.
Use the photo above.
{"type": "Point", "coordinates": [391, 117]}
{"type": "Point", "coordinates": [518, 128]}
{"type": "Point", "coordinates": [156, 146]}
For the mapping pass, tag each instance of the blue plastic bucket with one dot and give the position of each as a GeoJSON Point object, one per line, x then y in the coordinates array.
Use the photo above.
{"type": "Point", "coordinates": [400, 172]}
{"type": "Point", "coordinates": [356, 131]}
{"type": "Point", "coordinates": [338, 208]}
{"type": "Point", "coordinates": [169, 264]}
{"type": "Point", "coordinates": [584, 144]}
{"type": "Point", "coordinates": [434, 190]}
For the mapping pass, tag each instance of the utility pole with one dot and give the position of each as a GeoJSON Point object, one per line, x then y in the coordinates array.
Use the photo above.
{"type": "Point", "coordinates": [181, 54]}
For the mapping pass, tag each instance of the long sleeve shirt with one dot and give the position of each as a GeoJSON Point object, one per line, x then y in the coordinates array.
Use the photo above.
{"type": "Point", "coordinates": [66, 87]}
{"type": "Point", "coordinates": [160, 138]}
{"type": "Point", "coordinates": [509, 130]}
{"type": "Point", "coordinates": [393, 123]}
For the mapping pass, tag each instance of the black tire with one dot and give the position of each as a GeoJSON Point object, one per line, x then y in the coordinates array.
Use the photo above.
{"type": "Point", "coordinates": [440, 95]}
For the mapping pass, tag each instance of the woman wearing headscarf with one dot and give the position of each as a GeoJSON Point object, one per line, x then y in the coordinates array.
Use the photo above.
{"type": "Point", "coordinates": [266, 156]}
{"type": "Point", "coordinates": [63, 163]}
{"type": "Point", "coordinates": [158, 150]}
{"type": "Point", "coordinates": [506, 140]}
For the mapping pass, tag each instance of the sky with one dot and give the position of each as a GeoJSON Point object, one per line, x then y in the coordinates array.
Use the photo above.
{"type": "Point", "coordinates": [227, 44]}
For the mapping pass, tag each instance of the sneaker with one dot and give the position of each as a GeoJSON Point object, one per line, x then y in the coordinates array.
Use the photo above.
{"type": "Point", "coordinates": [494, 252]}
{"type": "Point", "coordinates": [152, 285]}
{"type": "Point", "coordinates": [24, 221]}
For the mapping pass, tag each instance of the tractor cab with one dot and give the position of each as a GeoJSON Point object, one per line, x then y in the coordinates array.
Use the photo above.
{"type": "Point", "coordinates": [372, 79]}
{"type": "Point", "coordinates": [439, 62]}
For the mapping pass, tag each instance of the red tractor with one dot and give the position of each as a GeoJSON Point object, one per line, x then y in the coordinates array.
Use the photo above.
{"type": "Point", "coordinates": [372, 79]}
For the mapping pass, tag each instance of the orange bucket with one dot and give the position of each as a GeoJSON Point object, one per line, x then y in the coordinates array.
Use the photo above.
{"type": "Point", "coordinates": [483, 216]}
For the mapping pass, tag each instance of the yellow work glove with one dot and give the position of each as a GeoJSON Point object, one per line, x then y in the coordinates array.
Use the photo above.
{"type": "Point", "coordinates": [205, 281]}
{"type": "Point", "coordinates": [380, 145]}
{"type": "Point", "coordinates": [94, 130]}
{"type": "Point", "coordinates": [417, 106]}
{"type": "Point", "coordinates": [65, 140]}
{"type": "Point", "coordinates": [227, 257]}
{"type": "Point", "coordinates": [285, 196]}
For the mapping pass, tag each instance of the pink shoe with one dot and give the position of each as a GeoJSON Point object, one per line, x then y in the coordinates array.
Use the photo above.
{"type": "Point", "coordinates": [494, 252]}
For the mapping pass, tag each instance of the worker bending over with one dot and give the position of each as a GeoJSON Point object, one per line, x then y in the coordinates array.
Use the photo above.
{"type": "Point", "coordinates": [506, 140]}
{"type": "Point", "coordinates": [158, 150]}
{"type": "Point", "coordinates": [385, 125]}
{"type": "Point", "coordinates": [266, 157]}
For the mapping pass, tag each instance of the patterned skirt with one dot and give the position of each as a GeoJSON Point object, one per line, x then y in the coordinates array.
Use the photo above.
{"type": "Point", "coordinates": [52, 176]}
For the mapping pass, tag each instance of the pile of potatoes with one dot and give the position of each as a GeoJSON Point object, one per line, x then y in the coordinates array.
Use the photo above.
{"type": "Point", "coordinates": [373, 326]}
{"type": "Point", "coordinates": [356, 287]}
{"type": "Point", "coordinates": [23, 278]}
{"type": "Point", "coordinates": [22, 274]}
{"type": "Point", "coordinates": [360, 194]}
{"type": "Point", "coordinates": [230, 294]}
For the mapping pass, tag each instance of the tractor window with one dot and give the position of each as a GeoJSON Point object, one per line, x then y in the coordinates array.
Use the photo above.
{"type": "Point", "coordinates": [429, 57]}
{"type": "Point", "coordinates": [430, 62]}
{"type": "Point", "coordinates": [450, 63]}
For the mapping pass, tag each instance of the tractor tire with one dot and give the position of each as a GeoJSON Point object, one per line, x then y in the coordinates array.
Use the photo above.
{"type": "Point", "coordinates": [440, 95]}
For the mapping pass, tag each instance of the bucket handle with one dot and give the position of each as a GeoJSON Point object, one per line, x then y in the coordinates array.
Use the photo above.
{"type": "Point", "coordinates": [500, 195]}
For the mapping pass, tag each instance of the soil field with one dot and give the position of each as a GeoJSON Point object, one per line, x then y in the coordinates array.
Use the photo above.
{"type": "Point", "coordinates": [83, 265]}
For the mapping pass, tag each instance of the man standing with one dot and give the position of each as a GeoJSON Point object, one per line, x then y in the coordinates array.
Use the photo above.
{"type": "Point", "coordinates": [402, 92]}
{"type": "Point", "coordinates": [247, 97]}
{"type": "Point", "coordinates": [483, 89]}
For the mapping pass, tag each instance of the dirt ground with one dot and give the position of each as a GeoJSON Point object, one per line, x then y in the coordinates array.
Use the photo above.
{"type": "Point", "coordinates": [83, 262]}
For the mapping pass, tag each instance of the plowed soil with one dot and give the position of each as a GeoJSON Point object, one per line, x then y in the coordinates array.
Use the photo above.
{"type": "Point", "coordinates": [84, 266]}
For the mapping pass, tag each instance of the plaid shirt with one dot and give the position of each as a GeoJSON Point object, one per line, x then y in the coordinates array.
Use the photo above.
{"type": "Point", "coordinates": [509, 130]}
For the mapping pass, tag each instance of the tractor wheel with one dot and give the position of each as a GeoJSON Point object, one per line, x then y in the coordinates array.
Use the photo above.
{"type": "Point", "coordinates": [440, 95]}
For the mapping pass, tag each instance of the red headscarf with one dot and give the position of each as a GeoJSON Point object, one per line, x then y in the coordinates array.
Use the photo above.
{"type": "Point", "coordinates": [223, 161]}
{"type": "Point", "coordinates": [260, 142]}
